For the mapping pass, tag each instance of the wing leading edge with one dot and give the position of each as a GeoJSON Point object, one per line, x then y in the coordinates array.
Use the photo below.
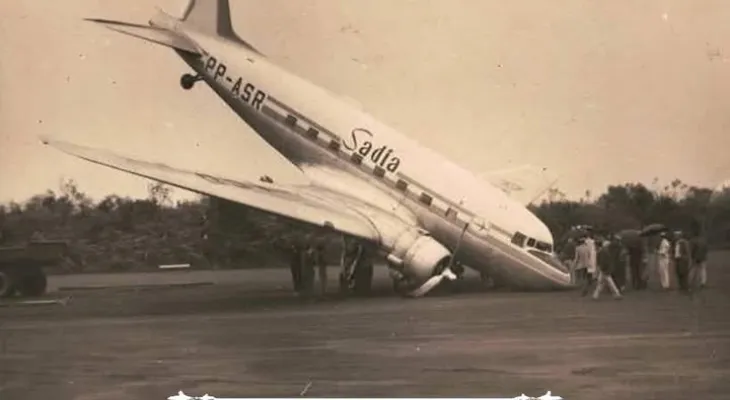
{"type": "Point", "coordinates": [300, 202]}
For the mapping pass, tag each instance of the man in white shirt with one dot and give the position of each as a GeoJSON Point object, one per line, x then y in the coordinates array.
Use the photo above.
{"type": "Point", "coordinates": [663, 255]}
{"type": "Point", "coordinates": [593, 265]}
{"type": "Point", "coordinates": [582, 263]}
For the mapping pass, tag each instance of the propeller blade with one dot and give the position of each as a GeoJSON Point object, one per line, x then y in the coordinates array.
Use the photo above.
{"type": "Point", "coordinates": [432, 282]}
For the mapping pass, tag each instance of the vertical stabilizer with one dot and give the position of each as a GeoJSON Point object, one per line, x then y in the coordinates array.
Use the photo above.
{"type": "Point", "coordinates": [210, 16]}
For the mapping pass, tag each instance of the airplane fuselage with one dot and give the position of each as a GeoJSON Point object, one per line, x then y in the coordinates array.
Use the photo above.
{"type": "Point", "coordinates": [332, 142]}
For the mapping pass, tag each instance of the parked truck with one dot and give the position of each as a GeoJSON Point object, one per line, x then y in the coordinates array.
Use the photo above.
{"type": "Point", "coordinates": [22, 267]}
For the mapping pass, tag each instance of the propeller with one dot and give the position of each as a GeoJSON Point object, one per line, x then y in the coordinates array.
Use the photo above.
{"type": "Point", "coordinates": [447, 273]}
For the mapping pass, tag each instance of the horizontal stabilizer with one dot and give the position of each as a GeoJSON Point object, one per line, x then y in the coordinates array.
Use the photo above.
{"type": "Point", "coordinates": [151, 34]}
{"type": "Point", "coordinates": [303, 203]}
{"type": "Point", "coordinates": [524, 184]}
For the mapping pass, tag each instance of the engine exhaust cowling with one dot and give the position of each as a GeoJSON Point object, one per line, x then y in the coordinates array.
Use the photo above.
{"type": "Point", "coordinates": [418, 256]}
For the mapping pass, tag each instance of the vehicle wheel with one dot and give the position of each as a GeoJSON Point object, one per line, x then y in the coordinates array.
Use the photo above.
{"type": "Point", "coordinates": [187, 81]}
{"type": "Point", "coordinates": [33, 284]}
{"type": "Point", "coordinates": [7, 286]}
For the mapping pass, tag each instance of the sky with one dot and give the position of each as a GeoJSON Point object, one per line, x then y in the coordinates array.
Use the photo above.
{"type": "Point", "coordinates": [598, 92]}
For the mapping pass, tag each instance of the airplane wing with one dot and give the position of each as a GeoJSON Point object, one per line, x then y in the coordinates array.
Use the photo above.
{"type": "Point", "coordinates": [301, 202]}
{"type": "Point", "coordinates": [525, 184]}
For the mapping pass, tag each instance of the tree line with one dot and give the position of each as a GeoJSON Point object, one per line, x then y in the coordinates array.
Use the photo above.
{"type": "Point", "coordinates": [117, 234]}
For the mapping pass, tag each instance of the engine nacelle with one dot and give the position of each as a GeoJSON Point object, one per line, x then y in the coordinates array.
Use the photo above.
{"type": "Point", "coordinates": [418, 256]}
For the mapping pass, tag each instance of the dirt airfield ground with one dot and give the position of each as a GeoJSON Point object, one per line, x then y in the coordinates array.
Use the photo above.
{"type": "Point", "coordinates": [242, 334]}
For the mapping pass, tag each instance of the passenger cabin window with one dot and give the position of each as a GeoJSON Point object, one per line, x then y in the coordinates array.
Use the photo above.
{"type": "Point", "coordinates": [290, 120]}
{"type": "Point", "coordinates": [379, 172]}
{"type": "Point", "coordinates": [401, 185]}
{"type": "Point", "coordinates": [519, 239]}
{"type": "Point", "coordinates": [356, 158]}
{"type": "Point", "coordinates": [334, 145]}
{"type": "Point", "coordinates": [312, 133]}
{"type": "Point", "coordinates": [426, 199]}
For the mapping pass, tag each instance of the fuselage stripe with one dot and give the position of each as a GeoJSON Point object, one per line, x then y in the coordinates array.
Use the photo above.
{"type": "Point", "coordinates": [413, 190]}
{"type": "Point", "coordinates": [325, 139]}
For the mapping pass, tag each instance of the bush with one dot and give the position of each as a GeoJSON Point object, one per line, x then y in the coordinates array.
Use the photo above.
{"type": "Point", "coordinates": [122, 234]}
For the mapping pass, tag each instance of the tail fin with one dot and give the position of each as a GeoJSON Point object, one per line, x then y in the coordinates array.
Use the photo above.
{"type": "Point", "coordinates": [212, 17]}
{"type": "Point", "coordinates": [150, 34]}
{"type": "Point", "coordinates": [209, 17]}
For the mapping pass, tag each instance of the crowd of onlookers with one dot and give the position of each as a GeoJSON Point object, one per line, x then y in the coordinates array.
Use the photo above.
{"type": "Point", "coordinates": [618, 262]}
{"type": "Point", "coordinates": [615, 261]}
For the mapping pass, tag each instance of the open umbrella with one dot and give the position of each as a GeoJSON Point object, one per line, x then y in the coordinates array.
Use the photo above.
{"type": "Point", "coordinates": [653, 229]}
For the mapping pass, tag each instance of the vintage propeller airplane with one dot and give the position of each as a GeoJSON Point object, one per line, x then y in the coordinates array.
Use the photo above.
{"type": "Point", "coordinates": [364, 179]}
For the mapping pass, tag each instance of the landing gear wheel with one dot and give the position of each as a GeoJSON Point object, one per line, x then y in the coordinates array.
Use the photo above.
{"type": "Point", "coordinates": [187, 81]}
{"type": "Point", "coordinates": [7, 284]}
{"type": "Point", "coordinates": [33, 284]}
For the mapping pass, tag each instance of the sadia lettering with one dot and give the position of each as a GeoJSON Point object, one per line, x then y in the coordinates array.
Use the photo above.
{"type": "Point", "coordinates": [361, 142]}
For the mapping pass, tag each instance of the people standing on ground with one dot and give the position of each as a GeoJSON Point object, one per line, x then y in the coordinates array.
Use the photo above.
{"type": "Point", "coordinates": [582, 263]}
{"type": "Point", "coordinates": [663, 255]}
{"type": "Point", "coordinates": [682, 260]}
{"type": "Point", "coordinates": [619, 271]}
{"type": "Point", "coordinates": [295, 265]}
{"type": "Point", "coordinates": [321, 262]}
{"type": "Point", "coordinates": [307, 270]}
{"type": "Point", "coordinates": [592, 246]}
{"type": "Point", "coordinates": [698, 272]}
{"type": "Point", "coordinates": [609, 260]}
{"type": "Point", "coordinates": [636, 257]}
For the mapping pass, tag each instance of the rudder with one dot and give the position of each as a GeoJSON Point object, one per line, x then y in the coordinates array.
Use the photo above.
{"type": "Point", "coordinates": [210, 16]}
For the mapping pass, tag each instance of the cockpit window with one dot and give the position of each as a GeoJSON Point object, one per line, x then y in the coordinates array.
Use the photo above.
{"type": "Point", "coordinates": [519, 239]}
{"type": "Point", "coordinates": [546, 247]}
{"type": "Point", "coordinates": [550, 260]}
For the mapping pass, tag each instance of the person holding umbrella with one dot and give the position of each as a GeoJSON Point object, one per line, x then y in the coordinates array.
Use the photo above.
{"type": "Point", "coordinates": [682, 260]}
{"type": "Point", "coordinates": [632, 241]}
{"type": "Point", "coordinates": [698, 272]}
{"type": "Point", "coordinates": [663, 256]}
{"type": "Point", "coordinates": [657, 254]}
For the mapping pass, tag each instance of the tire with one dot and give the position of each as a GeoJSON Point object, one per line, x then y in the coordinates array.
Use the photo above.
{"type": "Point", "coordinates": [33, 284]}
{"type": "Point", "coordinates": [7, 284]}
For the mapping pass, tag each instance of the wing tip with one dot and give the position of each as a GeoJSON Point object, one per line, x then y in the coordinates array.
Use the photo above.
{"type": "Point", "coordinates": [97, 20]}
